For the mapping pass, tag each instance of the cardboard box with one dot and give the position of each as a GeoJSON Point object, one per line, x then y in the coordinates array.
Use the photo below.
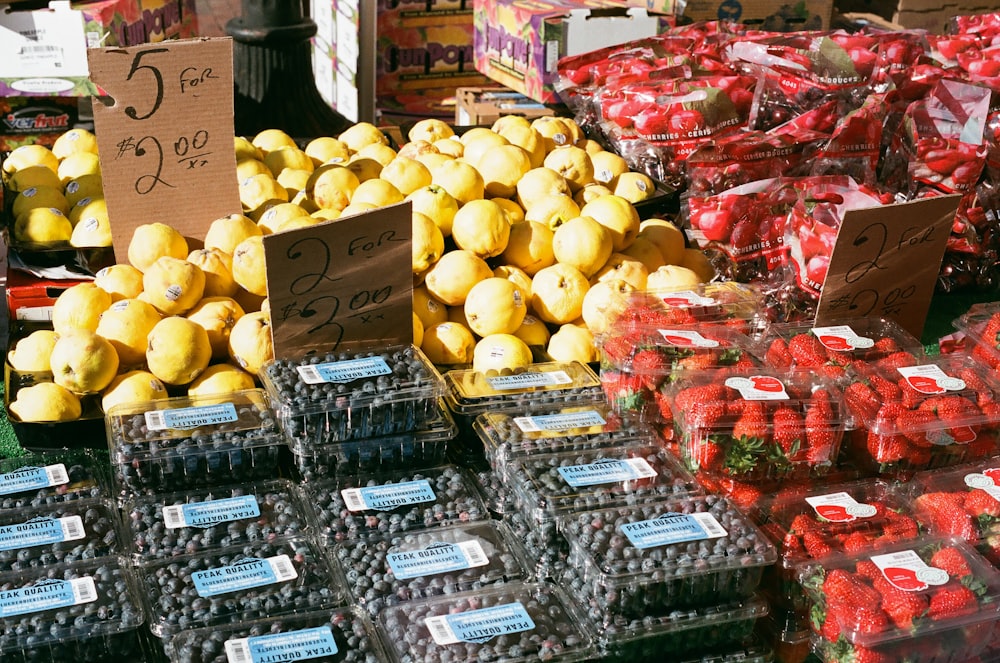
{"type": "Point", "coordinates": [930, 15]}
{"type": "Point", "coordinates": [30, 299]}
{"type": "Point", "coordinates": [784, 15]}
{"type": "Point", "coordinates": [485, 105]}
{"type": "Point", "coordinates": [344, 56]}
{"type": "Point", "coordinates": [35, 120]}
{"type": "Point", "coordinates": [44, 51]}
{"type": "Point", "coordinates": [518, 42]}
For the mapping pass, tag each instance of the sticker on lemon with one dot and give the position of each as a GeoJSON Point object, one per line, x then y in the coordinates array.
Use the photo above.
{"type": "Point", "coordinates": [172, 285]}
{"type": "Point", "coordinates": [500, 353]}
{"type": "Point", "coordinates": [495, 306]}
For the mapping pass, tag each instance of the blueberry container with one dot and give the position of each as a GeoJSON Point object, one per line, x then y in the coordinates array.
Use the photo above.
{"type": "Point", "coordinates": [86, 611]}
{"type": "Point", "coordinates": [518, 622]}
{"type": "Point", "coordinates": [38, 479]}
{"type": "Point", "coordinates": [236, 585]}
{"type": "Point", "coordinates": [162, 526]}
{"type": "Point", "coordinates": [584, 427]}
{"type": "Point", "coordinates": [338, 635]}
{"type": "Point", "coordinates": [322, 399]}
{"type": "Point", "coordinates": [927, 601]}
{"type": "Point", "coordinates": [683, 552]}
{"type": "Point", "coordinates": [352, 508]}
{"type": "Point", "coordinates": [546, 546]}
{"type": "Point", "coordinates": [409, 566]}
{"type": "Point", "coordinates": [59, 533]}
{"type": "Point", "coordinates": [386, 453]}
{"type": "Point", "coordinates": [192, 442]}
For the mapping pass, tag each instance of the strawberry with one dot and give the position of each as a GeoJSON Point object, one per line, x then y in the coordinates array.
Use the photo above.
{"type": "Point", "coordinates": [746, 360]}
{"type": "Point", "coordinates": [945, 514]}
{"type": "Point", "coordinates": [898, 526]}
{"type": "Point", "coordinates": [866, 655]}
{"type": "Point", "coordinates": [886, 389]}
{"type": "Point", "coordinates": [868, 569]}
{"type": "Point", "coordinates": [908, 396]}
{"type": "Point", "coordinates": [705, 416]}
{"type": "Point", "coordinates": [856, 542]}
{"type": "Point", "coordinates": [708, 455]}
{"type": "Point", "coordinates": [974, 381]}
{"type": "Point", "coordinates": [789, 429]}
{"type": "Point", "coordinates": [777, 355]}
{"type": "Point", "coordinates": [702, 393]}
{"type": "Point", "coordinates": [699, 361]}
{"type": "Point", "coordinates": [651, 366]}
{"type": "Point", "coordinates": [744, 495]}
{"type": "Point", "coordinates": [863, 617]}
{"type": "Point", "coordinates": [887, 415]}
{"type": "Point", "coordinates": [816, 545]}
{"type": "Point", "coordinates": [752, 423]}
{"type": "Point", "coordinates": [884, 346]}
{"type": "Point", "coordinates": [803, 523]}
{"type": "Point", "coordinates": [617, 348]}
{"type": "Point", "coordinates": [901, 607]}
{"type": "Point", "coordinates": [913, 425]}
{"type": "Point", "coordinates": [663, 403]}
{"type": "Point", "coordinates": [624, 391]}
{"type": "Point", "coordinates": [807, 351]}
{"type": "Point", "coordinates": [890, 363]}
{"type": "Point", "coordinates": [840, 585]}
{"type": "Point", "coordinates": [830, 630]}
{"type": "Point", "coordinates": [820, 429]}
{"type": "Point", "coordinates": [888, 448]}
{"type": "Point", "coordinates": [862, 400]}
{"type": "Point", "coordinates": [952, 600]}
{"type": "Point", "coordinates": [980, 503]}
{"type": "Point", "coordinates": [951, 560]}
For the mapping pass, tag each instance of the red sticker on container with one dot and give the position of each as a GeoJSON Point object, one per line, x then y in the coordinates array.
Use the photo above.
{"type": "Point", "coordinates": [930, 379]}
{"type": "Point", "coordinates": [758, 387]}
{"type": "Point", "coordinates": [840, 507]}
{"type": "Point", "coordinates": [905, 570]}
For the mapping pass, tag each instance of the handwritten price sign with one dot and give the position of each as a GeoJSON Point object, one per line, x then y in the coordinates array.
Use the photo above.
{"type": "Point", "coordinates": [166, 135]}
{"type": "Point", "coordinates": [886, 262]}
{"type": "Point", "coordinates": [343, 284]}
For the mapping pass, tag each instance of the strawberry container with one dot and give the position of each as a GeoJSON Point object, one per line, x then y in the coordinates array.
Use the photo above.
{"type": "Point", "coordinates": [728, 303]}
{"type": "Point", "coordinates": [830, 350]}
{"type": "Point", "coordinates": [385, 453]}
{"type": "Point", "coordinates": [928, 600]}
{"type": "Point", "coordinates": [835, 519]}
{"type": "Point", "coordinates": [962, 502]}
{"type": "Point", "coordinates": [333, 397]}
{"type": "Point", "coordinates": [921, 414]}
{"type": "Point", "coordinates": [506, 436]}
{"type": "Point", "coordinates": [649, 559]}
{"type": "Point", "coordinates": [787, 635]}
{"type": "Point", "coordinates": [757, 424]}
{"type": "Point", "coordinates": [981, 324]}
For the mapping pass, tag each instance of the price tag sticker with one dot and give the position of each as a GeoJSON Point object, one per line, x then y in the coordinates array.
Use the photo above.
{"type": "Point", "coordinates": [165, 135]}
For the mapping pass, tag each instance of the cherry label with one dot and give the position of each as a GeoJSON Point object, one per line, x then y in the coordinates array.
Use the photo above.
{"type": "Point", "coordinates": [758, 387]}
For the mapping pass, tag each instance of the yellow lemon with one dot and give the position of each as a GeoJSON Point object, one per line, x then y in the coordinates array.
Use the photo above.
{"type": "Point", "coordinates": [320, 215]}
{"type": "Point", "coordinates": [249, 167]}
{"type": "Point", "coordinates": [177, 350]}
{"type": "Point", "coordinates": [625, 268]}
{"type": "Point", "coordinates": [244, 149]}
{"type": "Point", "coordinates": [430, 310]}
{"type": "Point", "coordinates": [272, 139]}
{"type": "Point", "coordinates": [538, 183]}
{"type": "Point", "coordinates": [529, 247]}
{"type": "Point", "coordinates": [428, 242]}
{"type": "Point", "coordinates": [93, 230]}
{"type": "Point", "coordinates": [250, 343]}
{"type": "Point", "coordinates": [327, 149]}
{"type": "Point", "coordinates": [433, 159]}
{"type": "Point", "coordinates": [557, 293]}
{"type": "Point", "coordinates": [225, 233]}
{"type": "Point", "coordinates": [461, 180]}
{"type": "Point", "coordinates": [309, 220]}
{"type": "Point", "coordinates": [221, 379]}
{"type": "Point", "coordinates": [121, 281]}
{"type": "Point", "coordinates": [417, 148]}
{"type": "Point", "coordinates": [78, 164]}
{"type": "Point", "coordinates": [361, 134]}
{"type": "Point", "coordinates": [275, 216]}
{"type": "Point", "coordinates": [533, 331]}
{"type": "Point", "coordinates": [572, 343]}
{"type": "Point", "coordinates": [418, 330]}
{"type": "Point", "coordinates": [31, 353]}
{"type": "Point", "coordinates": [256, 191]}
{"type": "Point", "coordinates": [667, 237]}
{"type": "Point", "coordinates": [502, 167]}
{"type": "Point", "coordinates": [645, 252]}
{"type": "Point", "coordinates": [554, 130]}
{"type": "Point", "coordinates": [33, 176]}
{"type": "Point", "coordinates": [617, 215]}
{"type": "Point", "coordinates": [218, 268]}
{"type": "Point", "coordinates": [332, 186]}
{"type": "Point", "coordinates": [583, 243]}
{"type": "Point", "coordinates": [83, 362]}
{"type": "Point", "coordinates": [42, 225]}
{"type": "Point", "coordinates": [573, 163]}
{"type": "Point", "coordinates": [87, 207]}
{"type": "Point", "coordinates": [506, 122]}
{"type": "Point", "coordinates": [448, 344]}
{"type": "Point", "coordinates": [218, 316]}
{"type": "Point", "coordinates": [604, 301]}
{"type": "Point", "coordinates": [697, 262]}
{"type": "Point", "coordinates": [135, 386]}
{"type": "Point", "coordinates": [364, 168]}
{"type": "Point", "coordinates": [517, 276]}
{"type": "Point", "coordinates": [406, 174]}
{"type": "Point", "coordinates": [287, 158]}
{"type": "Point", "coordinates": [430, 129]}
{"type": "Point", "coordinates": [495, 306]}
{"type": "Point", "coordinates": [608, 166]}
{"type": "Point", "coordinates": [481, 226]}
{"type": "Point", "coordinates": [590, 192]}
{"type": "Point", "coordinates": [672, 277]}
{"type": "Point", "coordinates": [357, 208]}
{"type": "Point", "coordinates": [380, 152]}
{"type": "Point", "coordinates": [85, 186]}
{"type": "Point", "coordinates": [450, 278]}
{"type": "Point", "coordinates": [378, 192]}
{"type": "Point", "coordinates": [46, 401]}
{"type": "Point", "coordinates": [450, 147]}
{"type": "Point", "coordinates": [515, 213]}
{"type": "Point", "coordinates": [151, 241]}
{"type": "Point", "coordinates": [523, 136]}
{"type": "Point", "coordinates": [500, 352]}
{"type": "Point", "coordinates": [294, 180]}
{"type": "Point", "coordinates": [590, 145]}
{"type": "Point", "coordinates": [39, 196]}
{"type": "Point", "coordinates": [30, 155]}
{"type": "Point", "coordinates": [436, 203]}
{"type": "Point", "coordinates": [249, 270]}
{"type": "Point", "coordinates": [126, 324]}
{"type": "Point", "coordinates": [635, 187]}
{"type": "Point", "coordinates": [173, 285]}
{"type": "Point", "coordinates": [79, 307]}
{"type": "Point", "coordinates": [475, 149]}
{"type": "Point", "coordinates": [73, 141]}
{"type": "Point", "coordinates": [552, 210]}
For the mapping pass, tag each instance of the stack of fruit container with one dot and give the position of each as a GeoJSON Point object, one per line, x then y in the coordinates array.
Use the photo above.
{"type": "Point", "coordinates": [981, 326]}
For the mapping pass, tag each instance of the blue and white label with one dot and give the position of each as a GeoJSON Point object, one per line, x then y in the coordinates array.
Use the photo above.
{"type": "Point", "coordinates": [47, 595]}
{"type": "Point", "coordinates": [41, 531]}
{"type": "Point", "coordinates": [244, 574]}
{"type": "Point", "coordinates": [480, 625]}
{"type": "Point", "coordinates": [33, 478]}
{"type": "Point", "coordinates": [392, 496]}
{"type": "Point", "coordinates": [606, 471]}
{"type": "Point", "coordinates": [184, 418]}
{"type": "Point", "coordinates": [673, 528]}
{"type": "Point", "coordinates": [301, 645]}
{"type": "Point", "coordinates": [437, 558]}
{"type": "Point", "coordinates": [213, 512]}
{"type": "Point", "coordinates": [528, 380]}
{"type": "Point", "coordinates": [344, 371]}
{"type": "Point", "coordinates": [559, 422]}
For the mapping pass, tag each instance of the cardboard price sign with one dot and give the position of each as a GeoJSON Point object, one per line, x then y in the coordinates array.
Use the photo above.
{"type": "Point", "coordinates": [342, 284]}
{"type": "Point", "coordinates": [886, 261]}
{"type": "Point", "coordinates": [166, 135]}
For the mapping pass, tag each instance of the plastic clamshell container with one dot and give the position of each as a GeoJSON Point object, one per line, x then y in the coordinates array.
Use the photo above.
{"type": "Point", "coordinates": [82, 611]}
{"type": "Point", "coordinates": [238, 584]}
{"type": "Point", "coordinates": [350, 508]}
{"type": "Point", "coordinates": [831, 349]}
{"type": "Point", "coordinates": [938, 412]}
{"type": "Point", "coordinates": [547, 487]}
{"type": "Point", "coordinates": [692, 551]}
{"type": "Point", "coordinates": [161, 526]}
{"type": "Point", "coordinates": [517, 622]}
{"type": "Point", "coordinates": [729, 303]}
{"type": "Point", "coordinates": [388, 453]}
{"type": "Point", "coordinates": [338, 635]}
{"type": "Point", "coordinates": [834, 519]}
{"type": "Point", "coordinates": [546, 545]}
{"type": "Point", "coordinates": [37, 479]}
{"type": "Point", "coordinates": [58, 533]}
{"type": "Point", "coordinates": [337, 397]}
{"type": "Point", "coordinates": [981, 324]}
{"type": "Point", "coordinates": [544, 385]}
{"type": "Point", "coordinates": [578, 428]}
{"type": "Point", "coordinates": [442, 560]}
{"type": "Point", "coordinates": [788, 636]}
{"type": "Point", "coordinates": [683, 633]}
{"type": "Point", "coordinates": [958, 589]}
{"type": "Point", "coordinates": [758, 424]}
{"type": "Point", "coordinates": [657, 352]}
{"type": "Point", "coordinates": [963, 501]}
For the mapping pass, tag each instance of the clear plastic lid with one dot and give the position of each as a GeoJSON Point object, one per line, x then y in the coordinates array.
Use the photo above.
{"type": "Point", "coordinates": [238, 584]}
{"type": "Point", "coordinates": [981, 323]}
{"type": "Point", "coordinates": [646, 557]}
{"type": "Point", "coordinates": [210, 518]}
{"type": "Point", "coordinates": [549, 486]}
{"type": "Point", "coordinates": [963, 501]}
{"type": "Point", "coordinates": [538, 386]}
{"type": "Point", "coordinates": [351, 507]}
{"type": "Point", "coordinates": [577, 428]}
{"type": "Point", "coordinates": [728, 303]}
{"type": "Point", "coordinates": [517, 622]}
{"type": "Point", "coordinates": [340, 396]}
{"type": "Point", "coordinates": [835, 519]}
{"type": "Point", "coordinates": [935, 585]}
{"type": "Point", "coordinates": [49, 478]}
{"type": "Point", "coordinates": [831, 349]}
{"type": "Point", "coordinates": [657, 352]}
{"type": "Point", "coordinates": [59, 533]}
{"type": "Point", "coordinates": [757, 423]}
{"type": "Point", "coordinates": [442, 560]}
{"type": "Point", "coordinates": [62, 610]}
{"type": "Point", "coordinates": [189, 442]}
{"type": "Point", "coordinates": [327, 636]}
